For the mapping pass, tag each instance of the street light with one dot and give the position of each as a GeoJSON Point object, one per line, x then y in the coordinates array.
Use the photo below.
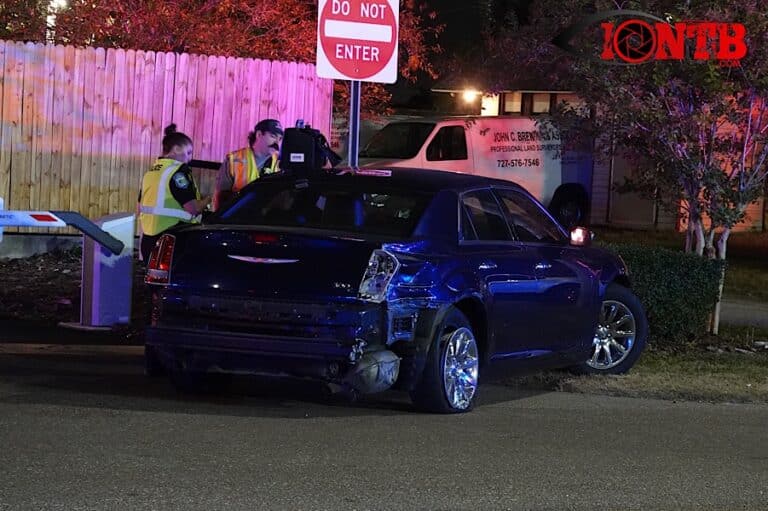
{"type": "Point", "coordinates": [470, 95]}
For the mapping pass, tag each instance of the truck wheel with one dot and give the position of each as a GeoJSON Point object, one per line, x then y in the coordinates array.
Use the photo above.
{"type": "Point", "coordinates": [620, 336]}
{"type": "Point", "coordinates": [449, 381]}
{"type": "Point", "coordinates": [570, 206]}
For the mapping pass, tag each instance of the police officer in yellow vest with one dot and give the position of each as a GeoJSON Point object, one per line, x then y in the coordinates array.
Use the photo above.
{"type": "Point", "coordinates": [249, 163]}
{"type": "Point", "coordinates": [169, 194]}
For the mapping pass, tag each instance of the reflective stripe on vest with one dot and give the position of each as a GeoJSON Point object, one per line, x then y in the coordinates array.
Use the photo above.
{"type": "Point", "coordinates": [159, 210]}
{"type": "Point", "coordinates": [272, 166]}
{"type": "Point", "coordinates": [174, 213]}
{"type": "Point", "coordinates": [243, 168]}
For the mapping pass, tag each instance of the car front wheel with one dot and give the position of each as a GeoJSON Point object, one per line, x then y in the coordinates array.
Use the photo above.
{"type": "Point", "coordinates": [450, 378]}
{"type": "Point", "coordinates": [620, 336]}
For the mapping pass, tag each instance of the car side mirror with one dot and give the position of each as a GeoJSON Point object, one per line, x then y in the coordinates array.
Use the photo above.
{"type": "Point", "coordinates": [581, 237]}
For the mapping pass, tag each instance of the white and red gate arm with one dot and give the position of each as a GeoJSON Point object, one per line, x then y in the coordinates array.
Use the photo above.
{"type": "Point", "coordinates": [358, 39]}
{"type": "Point", "coordinates": [13, 218]}
{"type": "Point", "coordinates": [30, 219]}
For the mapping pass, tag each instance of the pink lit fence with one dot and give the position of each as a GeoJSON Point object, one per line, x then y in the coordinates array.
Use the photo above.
{"type": "Point", "coordinates": [79, 126]}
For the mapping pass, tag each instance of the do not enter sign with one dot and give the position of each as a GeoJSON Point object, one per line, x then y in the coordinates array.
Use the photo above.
{"type": "Point", "coordinates": [357, 40]}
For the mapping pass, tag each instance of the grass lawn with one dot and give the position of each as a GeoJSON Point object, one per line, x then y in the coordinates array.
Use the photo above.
{"type": "Point", "coordinates": [706, 377]}
{"type": "Point", "coordinates": [711, 371]}
{"type": "Point", "coordinates": [711, 377]}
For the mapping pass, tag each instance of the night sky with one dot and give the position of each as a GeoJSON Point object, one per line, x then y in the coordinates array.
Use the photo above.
{"type": "Point", "coordinates": [463, 22]}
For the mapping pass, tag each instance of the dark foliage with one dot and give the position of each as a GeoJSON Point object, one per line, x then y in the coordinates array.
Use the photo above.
{"type": "Point", "coordinates": [678, 290]}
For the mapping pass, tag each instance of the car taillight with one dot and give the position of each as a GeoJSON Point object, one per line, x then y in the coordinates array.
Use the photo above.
{"type": "Point", "coordinates": [159, 267]}
{"type": "Point", "coordinates": [382, 266]}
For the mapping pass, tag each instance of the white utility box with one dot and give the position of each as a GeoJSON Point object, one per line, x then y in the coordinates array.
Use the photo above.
{"type": "Point", "coordinates": [107, 279]}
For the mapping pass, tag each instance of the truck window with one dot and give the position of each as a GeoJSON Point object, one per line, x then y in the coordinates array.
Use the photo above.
{"type": "Point", "coordinates": [450, 143]}
{"type": "Point", "coordinates": [399, 140]}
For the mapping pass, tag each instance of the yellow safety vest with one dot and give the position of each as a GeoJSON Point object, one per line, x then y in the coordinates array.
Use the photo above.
{"type": "Point", "coordinates": [159, 211]}
{"type": "Point", "coordinates": [243, 169]}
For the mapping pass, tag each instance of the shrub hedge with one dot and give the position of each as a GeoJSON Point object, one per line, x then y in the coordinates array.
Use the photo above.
{"type": "Point", "coordinates": [678, 290]}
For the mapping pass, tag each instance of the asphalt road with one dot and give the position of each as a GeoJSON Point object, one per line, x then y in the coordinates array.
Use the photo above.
{"type": "Point", "coordinates": [81, 428]}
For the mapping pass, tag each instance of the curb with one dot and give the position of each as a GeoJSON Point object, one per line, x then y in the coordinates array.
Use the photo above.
{"type": "Point", "coordinates": [37, 332]}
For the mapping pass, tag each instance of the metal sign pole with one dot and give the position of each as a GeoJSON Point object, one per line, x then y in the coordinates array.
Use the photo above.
{"type": "Point", "coordinates": [354, 123]}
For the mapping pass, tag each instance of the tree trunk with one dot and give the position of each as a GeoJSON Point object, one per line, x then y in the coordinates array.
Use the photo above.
{"type": "Point", "coordinates": [709, 246]}
{"type": "Point", "coordinates": [699, 238]}
{"type": "Point", "coordinates": [722, 243]}
{"type": "Point", "coordinates": [715, 324]}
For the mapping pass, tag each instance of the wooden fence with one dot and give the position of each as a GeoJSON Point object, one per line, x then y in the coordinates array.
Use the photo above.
{"type": "Point", "coordinates": [80, 126]}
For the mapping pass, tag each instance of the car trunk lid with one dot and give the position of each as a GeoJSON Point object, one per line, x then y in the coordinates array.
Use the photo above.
{"type": "Point", "coordinates": [267, 263]}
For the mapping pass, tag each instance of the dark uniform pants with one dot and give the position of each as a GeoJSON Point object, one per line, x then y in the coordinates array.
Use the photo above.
{"type": "Point", "coordinates": [147, 244]}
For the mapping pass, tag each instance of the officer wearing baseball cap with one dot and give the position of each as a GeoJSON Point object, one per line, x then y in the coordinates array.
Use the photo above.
{"type": "Point", "coordinates": [249, 163]}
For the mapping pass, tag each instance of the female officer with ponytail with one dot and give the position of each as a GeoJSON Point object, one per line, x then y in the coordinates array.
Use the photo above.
{"type": "Point", "coordinates": [168, 193]}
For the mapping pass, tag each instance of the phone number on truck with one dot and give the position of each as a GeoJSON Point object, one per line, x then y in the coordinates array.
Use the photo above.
{"type": "Point", "coordinates": [518, 162]}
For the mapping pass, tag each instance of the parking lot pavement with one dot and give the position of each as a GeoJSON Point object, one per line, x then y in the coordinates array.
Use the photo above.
{"type": "Point", "coordinates": [91, 432]}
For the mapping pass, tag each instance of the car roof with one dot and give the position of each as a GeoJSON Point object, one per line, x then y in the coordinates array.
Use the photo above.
{"type": "Point", "coordinates": [415, 179]}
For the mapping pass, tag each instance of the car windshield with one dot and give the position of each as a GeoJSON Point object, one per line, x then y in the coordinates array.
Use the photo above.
{"type": "Point", "coordinates": [398, 140]}
{"type": "Point", "coordinates": [344, 203]}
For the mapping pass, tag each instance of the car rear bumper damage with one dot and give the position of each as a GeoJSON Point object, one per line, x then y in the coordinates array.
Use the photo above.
{"type": "Point", "coordinates": [349, 365]}
{"type": "Point", "coordinates": [349, 344]}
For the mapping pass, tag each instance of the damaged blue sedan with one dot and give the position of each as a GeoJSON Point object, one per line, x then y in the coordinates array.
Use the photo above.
{"type": "Point", "coordinates": [409, 279]}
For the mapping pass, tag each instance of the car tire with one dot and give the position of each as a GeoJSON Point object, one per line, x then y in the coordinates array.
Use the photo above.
{"type": "Point", "coordinates": [620, 336]}
{"type": "Point", "coordinates": [449, 381]}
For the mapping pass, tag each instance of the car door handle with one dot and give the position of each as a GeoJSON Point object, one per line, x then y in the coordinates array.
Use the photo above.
{"type": "Point", "coordinates": [542, 266]}
{"type": "Point", "coordinates": [487, 265]}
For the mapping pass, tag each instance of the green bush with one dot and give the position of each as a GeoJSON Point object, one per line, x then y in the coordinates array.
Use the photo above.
{"type": "Point", "coordinates": [678, 290]}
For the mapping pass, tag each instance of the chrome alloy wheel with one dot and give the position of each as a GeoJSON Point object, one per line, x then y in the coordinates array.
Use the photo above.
{"type": "Point", "coordinates": [614, 337]}
{"type": "Point", "coordinates": [460, 368]}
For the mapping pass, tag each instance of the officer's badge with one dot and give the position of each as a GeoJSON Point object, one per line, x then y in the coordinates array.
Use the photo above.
{"type": "Point", "coordinates": [181, 180]}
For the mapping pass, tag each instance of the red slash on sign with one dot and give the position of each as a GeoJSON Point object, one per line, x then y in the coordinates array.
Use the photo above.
{"type": "Point", "coordinates": [357, 40]}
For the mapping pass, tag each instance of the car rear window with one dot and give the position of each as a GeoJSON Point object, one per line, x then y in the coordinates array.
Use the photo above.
{"type": "Point", "coordinates": [365, 206]}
